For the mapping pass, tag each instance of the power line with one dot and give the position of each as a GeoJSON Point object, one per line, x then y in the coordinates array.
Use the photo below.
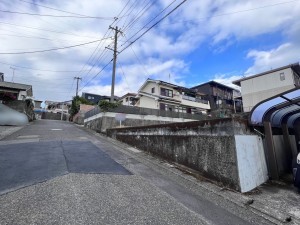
{"type": "Point", "coordinates": [48, 50]}
{"type": "Point", "coordinates": [96, 75]}
{"type": "Point", "coordinates": [48, 15]}
{"type": "Point", "coordinates": [153, 26]}
{"type": "Point", "coordinates": [124, 77]}
{"type": "Point", "coordinates": [131, 7]}
{"type": "Point", "coordinates": [28, 68]}
{"type": "Point", "coordinates": [139, 15]}
{"type": "Point", "coordinates": [34, 37]}
{"type": "Point", "coordinates": [33, 3]}
{"type": "Point", "coordinates": [147, 73]}
{"type": "Point", "coordinates": [93, 55]}
{"type": "Point", "coordinates": [230, 13]}
{"type": "Point", "coordinates": [34, 28]}
{"type": "Point", "coordinates": [153, 19]}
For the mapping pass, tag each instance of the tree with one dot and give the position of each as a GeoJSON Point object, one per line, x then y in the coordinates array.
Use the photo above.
{"type": "Point", "coordinates": [76, 104]}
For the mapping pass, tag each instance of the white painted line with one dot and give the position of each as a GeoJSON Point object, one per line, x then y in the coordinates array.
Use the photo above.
{"type": "Point", "coordinates": [134, 150]}
{"type": "Point", "coordinates": [56, 129]}
{"type": "Point", "coordinates": [83, 138]}
{"type": "Point", "coordinates": [28, 136]}
{"type": "Point", "coordinates": [19, 141]}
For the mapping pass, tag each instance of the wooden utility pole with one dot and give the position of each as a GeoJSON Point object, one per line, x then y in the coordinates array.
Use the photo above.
{"type": "Point", "coordinates": [112, 95]}
{"type": "Point", "coordinates": [77, 78]}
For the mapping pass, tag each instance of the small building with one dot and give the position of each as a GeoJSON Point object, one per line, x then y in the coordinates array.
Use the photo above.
{"type": "Point", "coordinates": [58, 107]}
{"type": "Point", "coordinates": [157, 94]}
{"type": "Point", "coordinates": [128, 99]}
{"type": "Point", "coordinates": [38, 104]}
{"type": "Point", "coordinates": [95, 99]}
{"type": "Point", "coordinates": [265, 85]}
{"type": "Point", "coordinates": [220, 96]}
{"type": "Point", "coordinates": [14, 91]}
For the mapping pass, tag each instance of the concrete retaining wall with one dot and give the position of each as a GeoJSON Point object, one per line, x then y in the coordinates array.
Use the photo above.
{"type": "Point", "coordinates": [52, 116]}
{"type": "Point", "coordinates": [102, 121]}
{"type": "Point", "coordinates": [209, 147]}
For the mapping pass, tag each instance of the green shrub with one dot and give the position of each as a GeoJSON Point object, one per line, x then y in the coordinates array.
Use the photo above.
{"type": "Point", "coordinates": [105, 106]}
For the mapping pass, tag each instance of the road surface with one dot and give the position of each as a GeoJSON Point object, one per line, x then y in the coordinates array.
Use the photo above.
{"type": "Point", "coordinates": [55, 172]}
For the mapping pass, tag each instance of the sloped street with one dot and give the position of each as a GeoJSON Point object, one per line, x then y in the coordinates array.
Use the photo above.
{"type": "Point", "coordinates": [54, 172]}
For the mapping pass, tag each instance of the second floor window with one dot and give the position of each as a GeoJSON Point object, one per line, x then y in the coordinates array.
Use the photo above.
{"type": "Point", "coordinates": [153, 90]}
{"type": "Point", "coordinates": [166, 92]}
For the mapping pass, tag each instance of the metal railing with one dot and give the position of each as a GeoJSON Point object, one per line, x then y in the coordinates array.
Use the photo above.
{"type": "Point", "coordinates": [193, 99]}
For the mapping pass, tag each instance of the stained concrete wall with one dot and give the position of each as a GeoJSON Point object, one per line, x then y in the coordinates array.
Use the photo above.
{"type": "Point", "coordinates": [102, 121]}
{"type": "Point", "coordinates": [206, 146]}
{"type": "Point", "coordinates": [52, 116]}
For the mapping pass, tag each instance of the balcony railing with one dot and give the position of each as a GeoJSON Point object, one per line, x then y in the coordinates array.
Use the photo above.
{"type": "Point", "coordinates": [193, 99]}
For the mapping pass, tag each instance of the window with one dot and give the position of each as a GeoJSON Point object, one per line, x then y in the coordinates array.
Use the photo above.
{"type": "Point", "coordinates": [166, 92]}
{"type": "Point", "coordinates": [153, 90]}
{"type": "Point", "coordinates": [282, 76]}
{"type": "Point", "coordinates": [126, 99]}
{"type": "Point", "coordinates": [162, 106]}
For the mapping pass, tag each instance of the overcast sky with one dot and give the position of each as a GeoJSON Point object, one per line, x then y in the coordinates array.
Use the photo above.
{"type": "Point", "coordinates": [219, 40]}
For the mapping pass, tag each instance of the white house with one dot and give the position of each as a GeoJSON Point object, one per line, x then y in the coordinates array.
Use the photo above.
{"type": "Point", "coordinates": [128, 99]}
{"type": "Point", "coordinates": [262, 86]}
{"type": "Point", "coordinates": [156, 94]}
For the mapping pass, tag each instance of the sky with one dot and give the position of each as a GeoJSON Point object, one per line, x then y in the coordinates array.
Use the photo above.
{"type": "Point", "coordinates": [182, 42]}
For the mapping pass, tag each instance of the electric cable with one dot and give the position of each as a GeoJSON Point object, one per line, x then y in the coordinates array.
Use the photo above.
{"type": "Point", "coordinates": [49, 15]}
{"type": "Point", "coordinates": [153, 19]}
{"type": "Point", "coordinates": [34, 28]}
{"type": "Point", "coordinates": [95, 75]}
{"type": "Point", "coordinates": [180, 4]}
{"type": "Point", "coordinates": [48, 50]}
{"type": "Point", "coordinates": [28, 68]}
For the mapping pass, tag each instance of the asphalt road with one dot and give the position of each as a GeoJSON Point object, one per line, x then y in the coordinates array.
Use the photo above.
{"type": "Point", "coordinates": [54, 172]}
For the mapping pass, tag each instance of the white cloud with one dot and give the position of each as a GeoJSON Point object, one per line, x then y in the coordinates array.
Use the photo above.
{"type": "Point", "coordinates": [227, 80]}
{"type": "Point", "coordinates": [161, 53]}
{"type": "Point", "coordinates": [265, 60]}
{"type": "Point", "coordinates": [136, 74]}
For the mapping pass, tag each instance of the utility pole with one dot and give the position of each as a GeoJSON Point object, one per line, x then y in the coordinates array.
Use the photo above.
{"type": "Point", "coordinates": [12, 80]}
{"type": "Point", "coordinates": [77, 78]}
{"type": "Point", "coordinates": [114, 62]}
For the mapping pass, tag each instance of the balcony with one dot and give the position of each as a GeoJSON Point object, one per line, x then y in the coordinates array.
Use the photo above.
{"type": "Point", "coordinates": [195, 102]}
{"type": "Point", "coordinates": [193, 99]}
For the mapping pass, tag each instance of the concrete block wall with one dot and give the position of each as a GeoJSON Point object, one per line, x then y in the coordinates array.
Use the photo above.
{"type": "Point", "coordinates": [219, 149]}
